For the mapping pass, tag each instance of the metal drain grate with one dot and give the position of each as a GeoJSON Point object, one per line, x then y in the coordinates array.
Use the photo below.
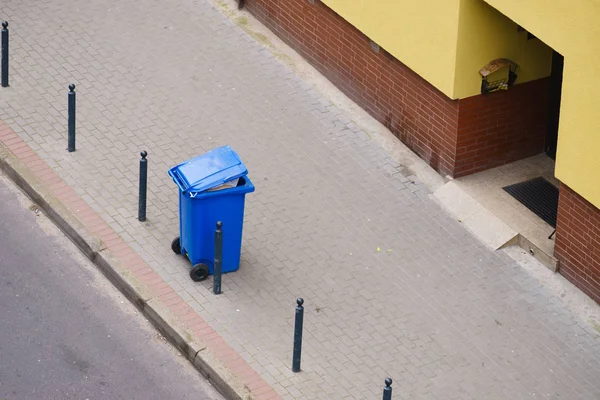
{"type": "Point", "coordinates": [538, 195]}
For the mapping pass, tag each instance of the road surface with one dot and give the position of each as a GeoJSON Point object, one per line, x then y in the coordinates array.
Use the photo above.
{"type": "Point", "coordinates": [65, 332]}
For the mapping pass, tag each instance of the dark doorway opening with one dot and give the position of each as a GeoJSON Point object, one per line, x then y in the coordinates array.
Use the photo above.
{"type": "Point", "coordinates": [556, 78]}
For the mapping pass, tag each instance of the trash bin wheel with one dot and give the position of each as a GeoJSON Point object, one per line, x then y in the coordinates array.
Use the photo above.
{"type": "Point", "coordinates": [176, 245]}
{"type": "Point", "coordinates": [199, 272]}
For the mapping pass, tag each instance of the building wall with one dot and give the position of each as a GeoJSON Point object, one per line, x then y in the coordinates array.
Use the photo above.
{"type": "Point", "coordinates": [419, 114]}
{"type": "Point", "coordinates": [422, 34]}
{"type": "Point", "coordinates": [446, 41]}
{"type": "Point", "coordinates": [501, 127]}
{"type": "Point", "coordinates": [572, 29]}
{"type": "Point", "coordinates": [577, 245]}
{"type": "Point", "coordinates": [456, 137]}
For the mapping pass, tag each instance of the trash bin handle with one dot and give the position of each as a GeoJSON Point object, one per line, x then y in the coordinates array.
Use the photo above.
{"type": "Point", "coordinates": [177, 181]}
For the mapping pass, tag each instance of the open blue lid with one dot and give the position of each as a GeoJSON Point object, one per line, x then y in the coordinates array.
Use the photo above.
{"type": "Point", "coordinates": [208, 170]}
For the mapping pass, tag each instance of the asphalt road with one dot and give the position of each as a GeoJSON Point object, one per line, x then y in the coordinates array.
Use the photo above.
{"type": "Point", "coordinates": [65, 332]}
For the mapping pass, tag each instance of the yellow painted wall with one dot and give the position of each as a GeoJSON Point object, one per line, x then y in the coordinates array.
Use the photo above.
{"type": "Point", "coordinates": [485, 34]}
{"type": "Point", "coordinates": [573, 29]}
{"type": "Point", "coordinates": [422, 34]}
{"type": "Point", "coordinates": [446, 41]}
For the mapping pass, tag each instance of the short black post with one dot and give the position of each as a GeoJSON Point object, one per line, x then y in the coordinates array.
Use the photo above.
{"type": "Point", "coordinates": [143, 186]}
{"type": "Point", "coordinates": [218, 258]}
{"type": "Point", "coordinates": [4, 54]}
{"type": "Point", "coordinates": [71, 138]}
{"type": "Point", "coordinates": [298, 336]}
{"type": "Point", "coordinates": [387, 390]}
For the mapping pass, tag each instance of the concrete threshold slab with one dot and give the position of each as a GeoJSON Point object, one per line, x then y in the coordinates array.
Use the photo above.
{"type": "Point", "coordinates": [485, 225]}
{"type": "Point", "coordinates": [482, 223]}
{"type": "Point", "coordinates": [466, 197]}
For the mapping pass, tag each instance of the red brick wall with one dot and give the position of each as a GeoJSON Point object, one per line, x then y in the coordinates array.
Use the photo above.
{"type": "Point", "coordinates": [416, 112]}
{"type": "Point", "coordinates": [455, 137]}
{"type": "Point", "coordinates": [501, 127]}
{"type": "Point", "coordinates": [577, 245]}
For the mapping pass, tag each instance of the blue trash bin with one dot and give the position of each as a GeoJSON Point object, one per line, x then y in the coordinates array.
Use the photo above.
{"type": "Point", "coordinates": [213, 188]}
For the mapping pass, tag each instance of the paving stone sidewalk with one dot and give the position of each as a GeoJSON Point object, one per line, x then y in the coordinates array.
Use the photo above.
{"type": "Point", "coordinates": [392, 285]}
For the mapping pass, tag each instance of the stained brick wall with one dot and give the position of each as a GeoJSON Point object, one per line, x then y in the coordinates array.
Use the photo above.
{"type": "Point", "coordinates": [455, 137]}
{"type": "Point", "coordinates": [577, 245]}
{"type": "Point", "coordinates": [501, 127]}
{"type": "Point", "coordinates": [415, 111]}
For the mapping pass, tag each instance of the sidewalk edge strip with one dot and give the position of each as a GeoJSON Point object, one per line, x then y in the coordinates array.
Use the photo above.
{"type": "Point", "coordinates": [84, 235]}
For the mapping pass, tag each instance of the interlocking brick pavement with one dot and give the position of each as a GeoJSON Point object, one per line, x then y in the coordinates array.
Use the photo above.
{"type": "Point", "coordinates": [437, 311]}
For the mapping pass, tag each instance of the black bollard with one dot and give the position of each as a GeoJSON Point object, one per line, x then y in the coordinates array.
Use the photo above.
{"type": "Point", "coordinates": [143, 186]}
{"type": "Point", "coordinates": [298, 336]}
{"type": "Point", "coordinates": [387, 390]}
{"type": "Point", "coordinates": [71, 111]}
{"type": "Point", "coordinates": [218, 258]}
{"type": "Point", "coordinates": [4, 54]}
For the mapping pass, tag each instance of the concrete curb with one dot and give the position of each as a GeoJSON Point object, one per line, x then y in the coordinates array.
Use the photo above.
{"type": "Point", "coordinates": [178, 322]}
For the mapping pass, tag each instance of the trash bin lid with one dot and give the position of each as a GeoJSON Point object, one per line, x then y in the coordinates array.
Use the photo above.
{"type": "Point", "coordinates": [208, 170]}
